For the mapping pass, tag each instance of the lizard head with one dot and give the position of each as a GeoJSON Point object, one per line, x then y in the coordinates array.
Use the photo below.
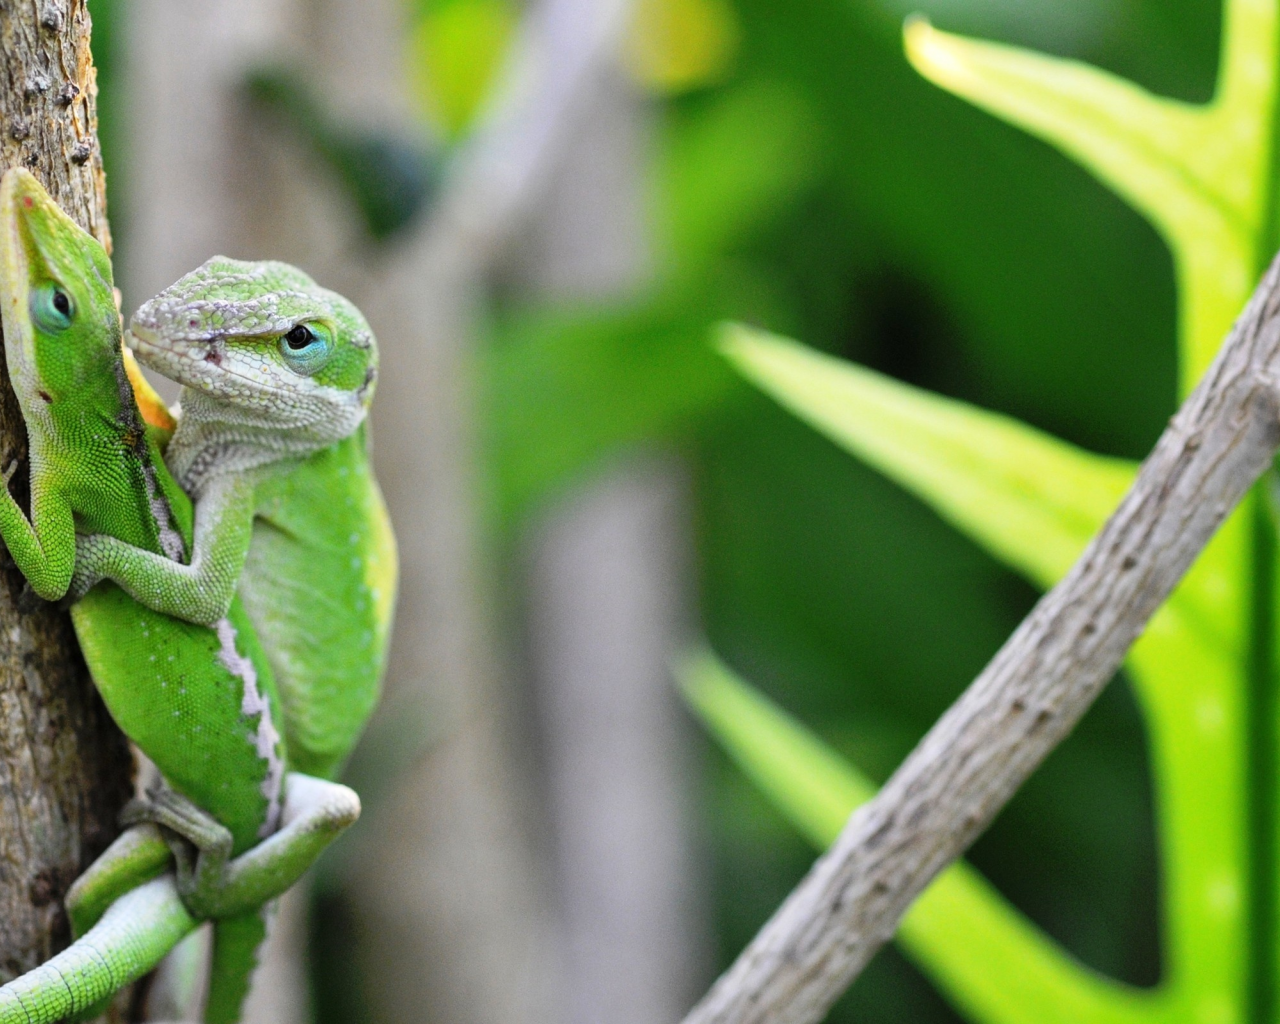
{"type": "Point", "coordinates": [61, 326]}
{"type": "Point", "coordinates": [265, 346]}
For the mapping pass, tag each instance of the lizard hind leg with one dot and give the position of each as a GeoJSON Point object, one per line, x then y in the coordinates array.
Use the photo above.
{"type": "Point", "coordinates": [185, 825]}
{"type": "Point", "coordinates": [316, 812]}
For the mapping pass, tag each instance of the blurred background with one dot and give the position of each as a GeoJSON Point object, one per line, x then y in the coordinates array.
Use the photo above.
{"type": "Point", "coordinates": [544, 209]}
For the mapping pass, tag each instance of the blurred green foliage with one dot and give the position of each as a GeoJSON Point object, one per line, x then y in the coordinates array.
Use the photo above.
{"type": "Point", "coordinates": [931, 242]}
{"type": "Point", "coordinates": [817, 186]}
{"type": "Point", "coordinates": [453, 53]}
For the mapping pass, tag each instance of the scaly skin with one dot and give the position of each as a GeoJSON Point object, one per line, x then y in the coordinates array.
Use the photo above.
{"type": "Point", "coordinates": [278, 374]}
{"type": "Point", "coordinates": [128, 941]}
{"type": "Point", "coordinates": [198, 700]}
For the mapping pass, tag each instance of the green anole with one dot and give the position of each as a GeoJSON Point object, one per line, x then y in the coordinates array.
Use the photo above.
{"type": "Point", "coordinates": [277, 373]}
{"type": "Point", "coordinates": [199, 701]}
{"type": "Point", "coordinates": [269, 381]}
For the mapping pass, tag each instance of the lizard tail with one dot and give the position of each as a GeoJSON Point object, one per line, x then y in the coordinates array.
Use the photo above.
{"type": "Point", "coordinates": [130, 939]}
{"type": "Point", "coordinates": [235, 957]}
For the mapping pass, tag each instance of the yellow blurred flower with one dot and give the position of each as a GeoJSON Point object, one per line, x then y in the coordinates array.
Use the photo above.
{"type": "Point", "coordinates": [677, 45]}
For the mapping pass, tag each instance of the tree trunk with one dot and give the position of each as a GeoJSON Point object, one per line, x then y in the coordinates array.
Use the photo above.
{"type": "Point", "coordinates": [64, 767]}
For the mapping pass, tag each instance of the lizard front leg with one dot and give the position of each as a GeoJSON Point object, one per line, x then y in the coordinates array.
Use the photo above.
{"type": "Point", "coordinates": [200, 592]}
{"type": "Point", "coordinates": [42, 547]}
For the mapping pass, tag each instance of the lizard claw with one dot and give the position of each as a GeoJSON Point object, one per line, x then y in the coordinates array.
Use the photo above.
{"type": "Point", "coordinates": [9, 470]}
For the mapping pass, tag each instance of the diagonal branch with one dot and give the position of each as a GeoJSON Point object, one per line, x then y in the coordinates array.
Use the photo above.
{"type": "Point", "coordinates": [1027, 699]}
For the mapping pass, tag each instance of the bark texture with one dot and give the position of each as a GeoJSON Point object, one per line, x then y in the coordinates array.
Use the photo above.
{"type": "Point", "coordinates": [1026, 700]}
{"type": "Point", "coordinates": [64, 767]}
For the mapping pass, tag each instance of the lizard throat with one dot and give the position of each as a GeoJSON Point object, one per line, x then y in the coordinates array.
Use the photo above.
{"type": "Point", "coordinates": [215, 437]}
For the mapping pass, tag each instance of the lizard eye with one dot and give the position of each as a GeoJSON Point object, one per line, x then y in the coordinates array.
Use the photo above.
{"type": "Point", "coordinates": [51, 308]}
{"type": "Point", "coordinates": [306, 347]}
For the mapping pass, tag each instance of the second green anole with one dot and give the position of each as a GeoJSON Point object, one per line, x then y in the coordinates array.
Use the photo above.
{"type": "Point", "coordinates": [198, 700]}
{"type": "Point", "coordinates": [277, 373]}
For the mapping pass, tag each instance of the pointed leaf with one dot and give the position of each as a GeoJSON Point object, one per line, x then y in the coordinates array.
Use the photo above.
{"type": "Point", "coordinates": [1031, 500]}
{"type": "Point", "coordinates": [1035, 502]}
{"type": "Point", "coordinates": [1196, 172]}
{"type": "Point", "coordinates": [1160, 154]}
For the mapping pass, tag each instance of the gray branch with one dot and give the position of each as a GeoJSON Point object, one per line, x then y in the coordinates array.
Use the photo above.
{"type": "Point", "coordinates": [563, 48]}
{"type": "Point", "coordinates": [1027, 699]}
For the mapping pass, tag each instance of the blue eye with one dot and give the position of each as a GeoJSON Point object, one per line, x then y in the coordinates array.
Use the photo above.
{"type": "Point", "coordinates": [51, 308]}
{"type": "Point", "coordinates": [306, 347]}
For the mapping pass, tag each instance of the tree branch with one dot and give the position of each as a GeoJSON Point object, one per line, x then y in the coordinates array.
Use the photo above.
{"type": "Point", "coordinates": [64, 767]}
{"type": "Point", "coordinates": [1026, 700]}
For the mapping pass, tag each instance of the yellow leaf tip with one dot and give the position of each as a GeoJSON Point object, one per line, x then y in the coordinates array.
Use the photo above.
{"type": "Point", "coordinates": [917, 31]}
{"type": "Point", "coordinates": [931, 52]}
{"type": "Point", "coordinates": [731, 339]}
{"type": "Point", "coordinates": [915, 23]}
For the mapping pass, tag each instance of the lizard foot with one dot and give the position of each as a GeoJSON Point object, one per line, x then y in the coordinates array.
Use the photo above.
{"type": "Point", "coordinates": [186, 826]}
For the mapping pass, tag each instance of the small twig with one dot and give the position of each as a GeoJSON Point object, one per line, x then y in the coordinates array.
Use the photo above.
{"type": "Point", "coordinates": [1026, 700]}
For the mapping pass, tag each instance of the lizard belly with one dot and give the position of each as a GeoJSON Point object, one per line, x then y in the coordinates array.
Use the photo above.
{"type": "Point", "coordinates": [200, 702]}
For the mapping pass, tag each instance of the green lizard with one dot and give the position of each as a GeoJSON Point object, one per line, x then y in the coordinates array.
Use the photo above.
{"type": "Point", "coordinates": [198, 700]}
{"type": "Point", "coordinates": [277, 373]}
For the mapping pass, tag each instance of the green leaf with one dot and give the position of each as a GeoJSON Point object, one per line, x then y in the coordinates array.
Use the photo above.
{"type": "Point", "coordinates": [996, 965]}
{"type": "Point", "coordinates": [809, 782]}
{"type": "Point", "coordinates": [564, 389]}
{"type": "Point", "coordinates": [1032, 500]}
{"type": "Point", "coordinates": [1196, 172]}
{"type": "Point", "coordinates": [727, 171]}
